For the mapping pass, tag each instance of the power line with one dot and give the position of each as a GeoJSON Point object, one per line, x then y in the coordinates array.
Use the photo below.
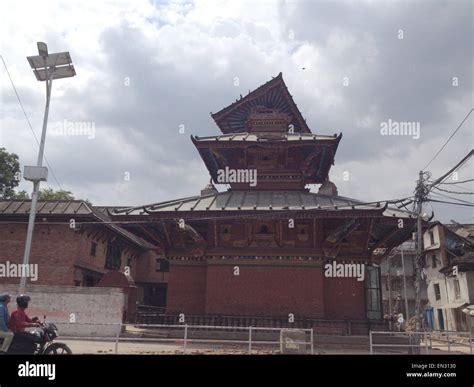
{"type": "Point", "coordinates": [445, 176]}
{"type": "Point", "coordinates": [454, 192]}
{"type": "Point", "coordinates": [456, 204]}
{"type": "Point", "coordinates": [450, 137]}
{"type": "Point", "coordinates": [28, 120]}
{"type": "Point", "coordinates": [451, 197]}
{"type": "Point", "coordinates": [467, 189]}
{"type": "Point", "coordinates": [459, 182]}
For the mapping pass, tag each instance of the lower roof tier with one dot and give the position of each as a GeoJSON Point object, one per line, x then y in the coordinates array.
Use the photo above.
{"type": "Point", "coordinates": [261, 200]}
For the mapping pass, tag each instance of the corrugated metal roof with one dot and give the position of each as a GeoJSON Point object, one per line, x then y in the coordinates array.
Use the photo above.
{"type": "Point", "coordinates": [63, 207]}
{"type": "Point", "coordinates": [70, 208]}
{"type": "Point", "coordinates": [259, 137]}
{"type": "Point", "coordinates": [261, 201]}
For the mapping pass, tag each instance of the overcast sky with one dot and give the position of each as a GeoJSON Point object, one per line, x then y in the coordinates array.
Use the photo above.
{"type": "Point", "coordinates": [145, 68]}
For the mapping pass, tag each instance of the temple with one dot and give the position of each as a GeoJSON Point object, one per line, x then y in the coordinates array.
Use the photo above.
{"type": "Point", "coordinates": [260, 248]}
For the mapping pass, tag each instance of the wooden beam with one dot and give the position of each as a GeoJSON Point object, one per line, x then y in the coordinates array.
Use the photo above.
{"type": "Point", "coordinates": [343, 231]}
{"type": "Point", "coordinates": [386, 238]}
{"type": "Point", "coordinates": [168, 240]}
{"type": "Point", "coordinates": [153, 237]}
{"type": "Point", "coordinates": [371, 225]}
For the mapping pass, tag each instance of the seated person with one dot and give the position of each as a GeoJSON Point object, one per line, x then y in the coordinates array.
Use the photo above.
{"type": "Point", "coordinates": [19, 320]}
{"type": "Point", "coordinates": [5, 333]}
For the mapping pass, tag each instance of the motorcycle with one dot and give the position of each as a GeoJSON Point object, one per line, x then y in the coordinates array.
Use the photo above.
{"type": "Point", "coordinates": [38, 341]}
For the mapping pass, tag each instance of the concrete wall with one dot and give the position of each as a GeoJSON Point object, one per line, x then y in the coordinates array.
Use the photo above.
{"type": "Point", "coordinates": [470, 286]}
{"type": "Point", "coordinates": [88, 305]}
{"type": "Point", "coordinates": [437, 237]}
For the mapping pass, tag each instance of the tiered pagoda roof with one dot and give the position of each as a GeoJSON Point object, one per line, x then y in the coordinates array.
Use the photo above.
{"type": "Point", "coordinates": [265, 132]}
{"type": "Point", "coordinates": [273, 95]}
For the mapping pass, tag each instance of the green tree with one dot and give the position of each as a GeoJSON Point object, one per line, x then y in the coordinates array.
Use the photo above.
{"type": "Point", "coordinates": [22, 195]}
{"type": "Point", "coordinates": [50, 194]}
{"type": "Point", "coordinates": [10, 174]}
{"type": "Point", "coordinates": [10, 177]}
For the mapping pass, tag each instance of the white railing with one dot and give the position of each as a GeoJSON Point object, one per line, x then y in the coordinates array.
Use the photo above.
{"type": "Point", "coordinates": [424, 340]}
{"type": "Point", "coordinates": [249, 342]}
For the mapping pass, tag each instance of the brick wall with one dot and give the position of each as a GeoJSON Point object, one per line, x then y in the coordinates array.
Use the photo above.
{"type": "Point", "coordinates": [97, 262]}
{"type": "Point", "coordinates": [344, 297]}
{"type": "Point", "coordinates": [53, 249]}
{"type": "Point", "coordinates": [186, 289]}
{"type": "Point", "coordinates": [265, 291]}
{"type": "Point", "coordinates": [145, 268]}
{"type": "Point", "coordinates": [57, 248]}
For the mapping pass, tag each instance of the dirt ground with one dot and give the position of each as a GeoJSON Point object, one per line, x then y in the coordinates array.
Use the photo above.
{"type": "Point", "coordinates": [176, 348]}
{"type": "Point", "coordinates": [173, 348]}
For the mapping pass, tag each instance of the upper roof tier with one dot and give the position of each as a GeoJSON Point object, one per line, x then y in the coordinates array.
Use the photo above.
{"type": "Point", "coordinates": [273, 96]}
{"type": "Point", "coordinates": [277, 160]}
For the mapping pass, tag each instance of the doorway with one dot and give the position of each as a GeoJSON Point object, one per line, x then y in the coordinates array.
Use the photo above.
{"type": "Point", "coordinates": [440, 319]}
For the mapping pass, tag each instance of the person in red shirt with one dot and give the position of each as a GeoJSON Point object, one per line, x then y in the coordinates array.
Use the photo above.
{"type": "Point", "coordinates": [19, 320]}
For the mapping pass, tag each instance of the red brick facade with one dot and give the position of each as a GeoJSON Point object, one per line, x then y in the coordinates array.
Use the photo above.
{"type": "Point", "coordinates": [344, 298]}
{"type": "Point", "coordinates": [187, 289]}
{"type": "Point", "coordinates": [54, 249]}
{"type": "Point", "coordinates": [263, 290]}
{"type": "Point", "coordinates": [62, 252]}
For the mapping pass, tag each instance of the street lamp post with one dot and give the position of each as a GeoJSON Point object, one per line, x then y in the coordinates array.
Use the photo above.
{"type": "Point", "coordinates": [46, 67]}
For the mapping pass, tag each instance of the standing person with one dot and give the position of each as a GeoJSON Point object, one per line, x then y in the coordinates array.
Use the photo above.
{"type": "Point", "coordinates": [4, 320]}
{"type": "Point", "coordinates": [19, 320]}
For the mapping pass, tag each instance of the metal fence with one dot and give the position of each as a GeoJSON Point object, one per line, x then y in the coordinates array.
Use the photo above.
{"type": "Point", "coordinates": [420, 342]}
{"type": "Point", "coordinates": [247, 338]}
{"type": "Point", "coordinates": [321, 326]}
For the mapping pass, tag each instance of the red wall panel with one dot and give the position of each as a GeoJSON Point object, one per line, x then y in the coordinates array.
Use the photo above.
{"type": "Point", "coordinates": [344, 298]}
{"type": "Point", "coordinates": [186, 289]}
{"type": "Point", "coordinates": [265, 291]}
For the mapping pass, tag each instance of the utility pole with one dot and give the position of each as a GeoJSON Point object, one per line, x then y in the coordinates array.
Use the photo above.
{"type": "Point", "coordinates": [404, 284]}
{"type": "Point", "coordinates": [389, 282]}
{"type": "Point", "coordinates": [420, 197]}
{"type": "Point", "coordinates": [46, 67]}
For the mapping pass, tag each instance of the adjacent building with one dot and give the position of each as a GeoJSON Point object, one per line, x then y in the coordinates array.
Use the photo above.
{"type": "Point", "coordinates": [449, 273]}
{"type": "Point", "coordinates": [75, 244]}
{"type": "Point", "coordinates": [398, 282]}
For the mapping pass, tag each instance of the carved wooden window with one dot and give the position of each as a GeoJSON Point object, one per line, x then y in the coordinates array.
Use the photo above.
{"type": "Point", "coordinates": [93, 249]}
{"type": "Point", "coordinates": [162, 265]}
{"type": "Point", "coordinates": [225, 232]}
{"type": "Point", "coordinates": [113, 258]}
{"type": "Point", "coordinates": [303, 232]}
